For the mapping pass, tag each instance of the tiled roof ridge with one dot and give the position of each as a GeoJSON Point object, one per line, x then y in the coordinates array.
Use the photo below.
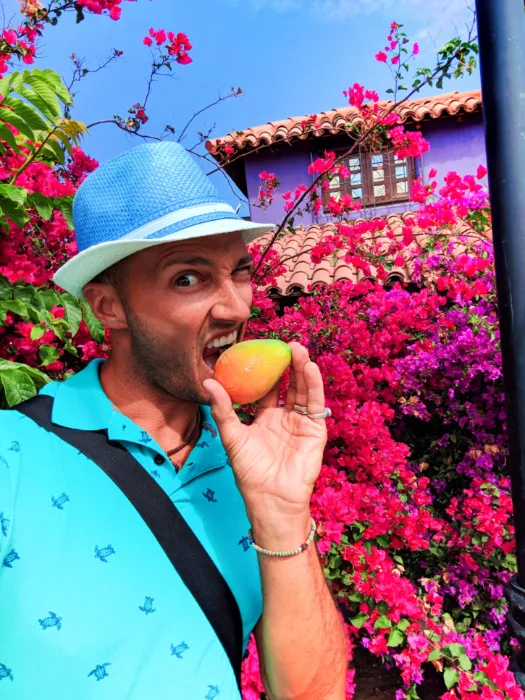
{"type": "Point", "coordinates": [302, 274]}
{"type": "Point", "coordinates": [336, 120]}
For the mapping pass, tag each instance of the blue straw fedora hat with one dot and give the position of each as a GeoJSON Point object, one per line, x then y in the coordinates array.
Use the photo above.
{"type": "Point", "coordinates": [151, 194]}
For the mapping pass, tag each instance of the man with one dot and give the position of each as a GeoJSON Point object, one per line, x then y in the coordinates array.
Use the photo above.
{"type": "Point", "coordinates": [90, 605]}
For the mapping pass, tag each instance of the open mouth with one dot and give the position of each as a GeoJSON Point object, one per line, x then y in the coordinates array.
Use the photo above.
{"type": "Point", "coordinates": [214, 350]}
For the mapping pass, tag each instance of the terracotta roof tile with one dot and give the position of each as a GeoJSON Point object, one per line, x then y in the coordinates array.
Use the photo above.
{"type": "Point", "coordinates": [338, 120]}
{"type": "Point", "coordinates": [294, 252]}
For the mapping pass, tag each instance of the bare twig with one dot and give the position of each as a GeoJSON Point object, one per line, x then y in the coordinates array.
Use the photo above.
{"type": "Point", "coordinates": [121, 126]}
{"type": "Point", "coordinates": [203, 138]}
{"type": "Point", "coordinates": [80, 71]}
{"type": "Point", "coordinates": [221, 98]}
{"type": "Point", "coordinates": [207, 159]}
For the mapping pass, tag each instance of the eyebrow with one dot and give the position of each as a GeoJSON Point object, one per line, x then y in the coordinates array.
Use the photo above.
{"type": "Point", "coordinates": [199, 260]}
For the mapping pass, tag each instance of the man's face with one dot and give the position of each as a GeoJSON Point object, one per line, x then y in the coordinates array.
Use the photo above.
{"type": "Point", "coordinates": [180, 298]}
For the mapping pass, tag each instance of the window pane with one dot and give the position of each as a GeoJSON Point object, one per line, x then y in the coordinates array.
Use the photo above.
{"type": "Point", "coordinates": [401, 172]}
{"type": "Point", "coordinates": [357, 193]}
{"type": "Point", "coordinates": [377, 160]}
{"type": "Point", "coordinates": [402, 187]}
{"type": "Point", "coordinates": [336, 195]}
{"type": "Point", "coordinates": [335, 183]}
{"type": "Point", "coordinates": [354, 163]}
{"type": "Point", "coordinates": [379, 175]}
{"type": "Point", "coordinates": [355, 179]}
{"type": "Point", "coordinates": [379, 191]}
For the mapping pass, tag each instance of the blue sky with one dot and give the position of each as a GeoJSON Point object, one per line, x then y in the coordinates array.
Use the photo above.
{"type": "Point", "coordinates": [291, 57]}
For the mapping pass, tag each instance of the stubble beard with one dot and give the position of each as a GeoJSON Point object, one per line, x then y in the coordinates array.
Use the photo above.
{"type": "Point", "coordinates": [162, 364]}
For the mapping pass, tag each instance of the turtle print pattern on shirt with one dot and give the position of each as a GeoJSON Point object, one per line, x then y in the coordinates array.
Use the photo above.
{"type": "Point", "coordinates": [85, 584]}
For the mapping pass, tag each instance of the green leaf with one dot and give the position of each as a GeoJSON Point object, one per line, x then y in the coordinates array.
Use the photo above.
{"type": "Point", "coordinates": [5, 84]}
{"type": "Point", "coordinates": [39, 378]}
{"type": "Point", "coordinates": [48, 354]}
{"type": "Point", "coordinates": [37, 332]}
{"type": "Point", "coordinates": [481, 678]}
{"type": "Point", "coordinates": [57, 325]}
{"type": "Point", "coordinates": [95, 327]}
{"type": "Point", "coordinates": [15, 306]}
{"type": "Point", "coordinates": [435, 655]}
{"type": "Point", "coordinates": [55, 82]}
{"type": "Point", "coordinates": [46, 93]}
{"type": "Point", "coordinates": [5, 288]}
{"type": "Point", "coordinates": [17, 386]}
{"type": "Point", "coordinates": [36, 312]}
{"type": "Point", "coordinates": [18, 122]}
{"type": "Point", "coordinates": [64, 140]}
{"type": "Point", "coordinates": [382, 623]}
{"type": "Point", "coordinates": [17, 81]}
{"type": "Point", "coordinates": [359, 620]}
{"type": "Point", "coordinates": [395, 638]}
{"type": "Point", "coordinates": [49, 298]}
{"type": "Point", "coordinates": [70, 347]}
{"type": "Point", "coordinates": [53, 150]}
{"type": "Point", "coordinates": [451, 677]}
{"type": "Point", "coordinates": [73, 312]}
{"type": "Point", "coordinates": [43, 205]}
{"type": "Point", "coordinates": [403, 624]}
{"type": "Point", "coordinates": [28, 114]}
{"type": "Point", "coordinates": [465, 662]}
{"type": "Point", "coordinates": [65, 204]}
{"type": "Point", "coordinates": [7, 135]}
{"type": "Point", "coordinates": [35, 99]}
{"type": "Point", "coordinates": [383, 540]}
{"type": "Point", "coordinates": [14, 212]}
{"type": "Point", "coordinates": [18, 195]}
{"type": "Point", "coordinates": [27, 294]}
{"type": "Point", "coordinates": [453, 651]}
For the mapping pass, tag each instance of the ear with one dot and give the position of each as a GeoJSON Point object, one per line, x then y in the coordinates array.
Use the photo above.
{"type": "Point", "coordinates": [106, 304]}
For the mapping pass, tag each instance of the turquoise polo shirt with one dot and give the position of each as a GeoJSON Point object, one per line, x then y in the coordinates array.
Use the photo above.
{"type": "Point", "coordinates": [90, 606]}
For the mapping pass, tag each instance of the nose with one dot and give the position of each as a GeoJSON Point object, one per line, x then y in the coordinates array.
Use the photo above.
{"type": "Point", "coordinates": [232, 302]}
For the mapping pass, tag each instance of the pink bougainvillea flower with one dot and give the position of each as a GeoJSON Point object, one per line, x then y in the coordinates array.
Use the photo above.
{"type": "Point", "coordinates": [481, 172]}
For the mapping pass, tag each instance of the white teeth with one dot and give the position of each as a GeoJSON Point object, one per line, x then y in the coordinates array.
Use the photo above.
{"type": "Point", "coordinates": [224, 340]}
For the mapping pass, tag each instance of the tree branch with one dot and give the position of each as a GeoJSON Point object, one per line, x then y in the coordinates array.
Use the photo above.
{"type": "Point", "coordinates": [120, 126]}
{"type": "Point", "coordinates": [222, 98]}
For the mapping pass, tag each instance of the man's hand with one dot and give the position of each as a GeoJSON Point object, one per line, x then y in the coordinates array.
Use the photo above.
{"type": "Point", "coordinates": [277, 459]}
{"type": "Point", "coordinates": [276, 462]}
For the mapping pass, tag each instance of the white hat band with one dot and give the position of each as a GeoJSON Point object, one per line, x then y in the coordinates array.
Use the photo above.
{"type": "Point", "coordinates": [175, 217]}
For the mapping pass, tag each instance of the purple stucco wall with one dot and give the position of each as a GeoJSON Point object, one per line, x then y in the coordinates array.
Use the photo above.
{"type": "Point", "coordinates": [455, 144]}
{"type": "Point", "coordinates": [290, 166]}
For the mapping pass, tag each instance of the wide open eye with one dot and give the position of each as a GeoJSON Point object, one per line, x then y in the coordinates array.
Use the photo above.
{"type": "Point", "coordinates": [189, 279]}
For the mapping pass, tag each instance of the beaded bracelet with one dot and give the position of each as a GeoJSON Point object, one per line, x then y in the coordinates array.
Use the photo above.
{"type": "Point", "coordinates": [289, 552]}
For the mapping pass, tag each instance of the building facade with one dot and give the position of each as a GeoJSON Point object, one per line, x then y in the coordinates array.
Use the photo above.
{"type": "Point", "coordinates": [452, 123]}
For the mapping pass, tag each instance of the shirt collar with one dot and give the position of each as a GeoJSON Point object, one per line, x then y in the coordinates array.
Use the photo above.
{"type": "Point", "coordinates": [80, 402]}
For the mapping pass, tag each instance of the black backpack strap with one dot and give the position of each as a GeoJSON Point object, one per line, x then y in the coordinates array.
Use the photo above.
{"type": "Point", "coordinates": [177, 539]}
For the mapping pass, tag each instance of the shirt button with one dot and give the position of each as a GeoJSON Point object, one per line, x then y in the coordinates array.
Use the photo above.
{"type": "Point", "coordinates": [158, 459]}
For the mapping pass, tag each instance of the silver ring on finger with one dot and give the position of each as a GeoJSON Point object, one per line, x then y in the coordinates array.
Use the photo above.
{"type": "Point", "coordinates": [303, 410]}
{"type": "Point", "coordinates": [327, 413]}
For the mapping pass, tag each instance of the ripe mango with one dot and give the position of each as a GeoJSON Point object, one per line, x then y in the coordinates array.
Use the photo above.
{"type": "Point", "coordinates": [248, 370]}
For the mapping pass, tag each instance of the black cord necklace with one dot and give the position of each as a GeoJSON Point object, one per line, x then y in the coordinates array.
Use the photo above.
{"type": "Point", "coordinates": [186, 442]}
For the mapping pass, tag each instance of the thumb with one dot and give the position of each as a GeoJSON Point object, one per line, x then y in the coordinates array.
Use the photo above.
{"type": "Point", "coordinates": [230, 427]}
